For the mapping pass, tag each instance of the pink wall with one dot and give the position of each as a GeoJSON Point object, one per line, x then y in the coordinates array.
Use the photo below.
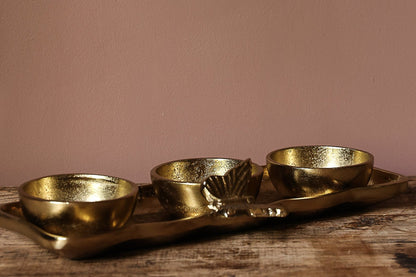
{"type": "Point", "coordinates": [117, 87]}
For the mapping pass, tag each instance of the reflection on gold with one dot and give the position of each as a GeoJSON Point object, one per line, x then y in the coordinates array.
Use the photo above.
{"type": "Point", "coordinates": [178, 183]}
{"type": "Point", "coordinates": [306, 171]}
{"type": "Point", "coordinates": [148, 229]}
{"type": "Point", "coordinates": [78, 204]}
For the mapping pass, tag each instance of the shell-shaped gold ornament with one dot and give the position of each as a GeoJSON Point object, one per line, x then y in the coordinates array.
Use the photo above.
{"type": "Point", "coordinates": [223, 192]}
{"type": "Point", "coordinates": [227, 194]}
{"type": "Point", "coordinates": [230, 186]}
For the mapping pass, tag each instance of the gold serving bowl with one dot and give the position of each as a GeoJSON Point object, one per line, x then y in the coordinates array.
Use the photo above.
{"type": "Point", "coordinates": [178, 183]}
{"type": "Point", "coordinates": [307, 171]}
{"type": "Point", "coordinates": [78, 204]}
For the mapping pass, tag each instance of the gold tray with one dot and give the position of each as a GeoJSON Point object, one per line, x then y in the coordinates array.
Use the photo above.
{"type": "Point", "coordinates": [151, 224]}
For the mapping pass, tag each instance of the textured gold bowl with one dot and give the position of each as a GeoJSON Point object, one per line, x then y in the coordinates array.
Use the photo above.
{"type": "Point", "coordinates": [306, 171]}
{"type": "Point", "coordinates": [178, 183]}
{"type": "Point", "coordinates": [78, 204]}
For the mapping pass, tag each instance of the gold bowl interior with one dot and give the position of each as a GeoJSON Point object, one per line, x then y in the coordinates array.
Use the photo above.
{"type": "Point", "coordinates": [77, 188]}
{"type": "Point", "coordinates": [319, 157]}
{"type": "Point", "coordinates": [177, 183]}
{"type": "Point", "coordinates": [73, 204]}
{"type": "Point", "coordinates": [195, 170]}
{"type": "Point", "coordinates": [306, 171]}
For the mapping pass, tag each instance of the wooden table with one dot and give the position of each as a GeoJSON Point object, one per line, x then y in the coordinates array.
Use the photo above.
{"type": "Point", "coordinates": [379, 240]}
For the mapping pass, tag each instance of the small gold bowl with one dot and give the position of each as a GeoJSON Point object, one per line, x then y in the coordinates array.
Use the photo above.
{"type": "Point", "coordinates": [178, 183]}
{"type": "Point", "coordinates": [307, 171]}
{"type": "Point", "coordinates": [78, 204]}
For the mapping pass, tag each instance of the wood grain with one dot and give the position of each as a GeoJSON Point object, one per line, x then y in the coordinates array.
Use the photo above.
{"type": "Point", "coordinates": [379, 240]}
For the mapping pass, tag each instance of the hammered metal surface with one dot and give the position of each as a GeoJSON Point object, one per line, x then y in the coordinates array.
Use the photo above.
{"type": "Point", "coordinates": [307, 171]}
{"type": "Point", "coordinates": [151, 224]}
{"type": "Point", "coordinates": [178, 183]}
{"type": "Point", "coordinates": [317, 156]}
{"type": "Point", "coordinates": [73, 204]}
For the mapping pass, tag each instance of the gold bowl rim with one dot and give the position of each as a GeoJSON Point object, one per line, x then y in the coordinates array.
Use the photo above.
{"type": "Point", "coordinates": [153, 172]}
{"type": "Point", "coordinates": [133, 192]}
{"type": "Point", "coordinates": [370, 159]}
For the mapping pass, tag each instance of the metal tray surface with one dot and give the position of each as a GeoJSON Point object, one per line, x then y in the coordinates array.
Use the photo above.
{"type": "Point", "coordinates": [152, 224]}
